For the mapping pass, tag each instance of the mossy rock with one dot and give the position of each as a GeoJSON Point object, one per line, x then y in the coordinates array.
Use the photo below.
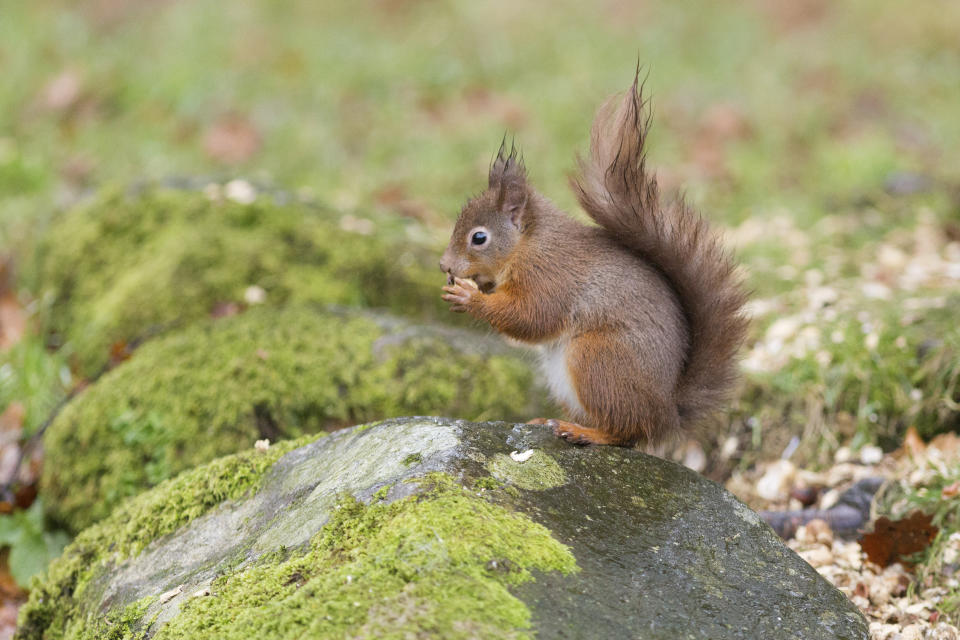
{"type": "Point", "coordinates": [399, 530]}
{"type": "Point", "coordinates": [214, 388]}
{"type": "Point", "coordinates": [129, 264]}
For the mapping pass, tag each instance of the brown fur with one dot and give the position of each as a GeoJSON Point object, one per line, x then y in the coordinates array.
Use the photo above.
{"type": "Point", "coordinates": [617, 192]}
{"type": "Point", "coordinates": [645, 308]}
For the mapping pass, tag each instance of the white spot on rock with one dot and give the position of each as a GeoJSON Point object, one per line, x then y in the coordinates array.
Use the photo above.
{"type": "Point", "coordinates": [521, 457]}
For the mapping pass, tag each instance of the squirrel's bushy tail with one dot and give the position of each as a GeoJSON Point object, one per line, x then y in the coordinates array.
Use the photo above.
{"type": "Point", "coordinates": [615, 189]}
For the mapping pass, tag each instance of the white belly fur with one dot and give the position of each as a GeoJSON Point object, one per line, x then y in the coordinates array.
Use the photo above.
{"type": "Point", "coordinates": [553, 363]}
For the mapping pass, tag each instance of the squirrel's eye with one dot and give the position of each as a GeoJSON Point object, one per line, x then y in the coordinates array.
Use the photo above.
{"type": "Point", "coordinates": [478, 238]}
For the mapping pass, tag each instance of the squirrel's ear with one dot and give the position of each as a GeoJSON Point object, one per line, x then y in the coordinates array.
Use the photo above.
{"type": "Point", "coordinates": [513, 200]}
{"type": "Point", "coordinates": [508, 177]}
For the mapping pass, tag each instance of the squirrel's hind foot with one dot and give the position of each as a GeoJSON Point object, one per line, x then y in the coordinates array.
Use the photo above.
{"type": "Point", "coordinates": [575, 433]}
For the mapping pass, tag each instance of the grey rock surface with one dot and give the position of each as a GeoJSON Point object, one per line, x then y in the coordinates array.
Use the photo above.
{"type": "Point", "coordinates": [663, 553]}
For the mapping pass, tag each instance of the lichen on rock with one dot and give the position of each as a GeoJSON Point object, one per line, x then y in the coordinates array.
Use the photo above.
{"type": "Point", "coordinates": [435, 558]}
{"type": "Point", "coordinates": [218, 386]}
{"type": "Point", "coordinates": [539, 472]}
{"type": "Point", "coordinates": [437, 564]}
{"type": "Point", "coordinates": [129, 264]}
{"type": "Point", "coordinates": [61, 592]}
{"type": "Point", "coordinates": [399, 530]}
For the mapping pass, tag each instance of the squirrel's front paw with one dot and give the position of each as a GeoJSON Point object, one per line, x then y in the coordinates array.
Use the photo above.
{"type": "Point", "coordinates": [462, 295]}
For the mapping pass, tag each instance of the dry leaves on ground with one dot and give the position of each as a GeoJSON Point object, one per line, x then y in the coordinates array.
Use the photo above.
{"type": "Point", "coordinates": [896, 540]}
{"type": "Point", "coordinates": [877, 582]}
{"type": "Point", "coordinates": [231, 139]}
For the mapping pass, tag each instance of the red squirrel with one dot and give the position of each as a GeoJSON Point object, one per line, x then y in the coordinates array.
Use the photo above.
{"type": "Point", "coordinates": [639, 319]}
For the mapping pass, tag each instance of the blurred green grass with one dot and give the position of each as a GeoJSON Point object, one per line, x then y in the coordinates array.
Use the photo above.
{"type": "Point", "coordinates": [825, 99]}
{"type": "Point", "coordinates": [803, 111]}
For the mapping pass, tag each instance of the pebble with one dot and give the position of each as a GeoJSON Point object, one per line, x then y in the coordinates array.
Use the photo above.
{"type": "Point", "coordinates": [817, 556]}
{"type": "Point", "coordinates": [240, 191]}
{"type": "Point", "coordinates": [871, 454]}
{"type": "Point", "coordinates": [777, 480]}
{"type": "Point", "coordinates": [254, 294]}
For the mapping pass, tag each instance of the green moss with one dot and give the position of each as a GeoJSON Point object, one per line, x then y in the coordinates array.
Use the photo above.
{"type": "Point", "coordinates": [486, 483]}
{"type": "Point", "coordinates": [58, 596]}
{"type": "Point", "coordinates": [127, 624]}
{"type": "Point", "coordinates": [412, 459]}
{"type": "Point", "coordinates": [539, 472]}
{"type": "Point", "coordinates": [437, 565]}
{"type": "Point", "coordinates": [126, 266]}
{"type": "Point", "coordinates": [440, 562]}
{"type": "Point", "coordinates": [218, 386]}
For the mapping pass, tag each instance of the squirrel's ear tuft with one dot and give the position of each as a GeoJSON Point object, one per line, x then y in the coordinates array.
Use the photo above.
{"type": "Point", "coordinates": [508, 177]}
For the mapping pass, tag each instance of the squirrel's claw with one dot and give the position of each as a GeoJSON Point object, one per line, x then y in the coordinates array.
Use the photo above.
{"type": "Point", "coordinates": [574, 433]}
{"type": "Point", "coordinates": [460, 294]}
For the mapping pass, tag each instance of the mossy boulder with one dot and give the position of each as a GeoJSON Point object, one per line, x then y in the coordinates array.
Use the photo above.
{"type": "Point", "coordinates": [129, 264]}
{"type": "Point", "coordinates": [216, 387]}
{"type": "Point", "coordinates": [416, 528]}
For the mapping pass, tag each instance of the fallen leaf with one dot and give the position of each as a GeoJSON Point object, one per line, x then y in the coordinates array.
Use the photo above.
{"type": "Point", "coordinates": [724, 121]}
{"type": "Point", "coordinates": [895, 540]}
{"type": "Point", "coordinates": [951, 490]}
{"type": "Point", "coordinates": [231, 139]}
{"type": "Point", "coordinates": [120, 351]}
{"type": "Point", "coordinates": [25, 495]}
{"type": "Point", "coordinates": [61, 92]}
{"type": "Point", "coordinates": [9, 589]}
{"type": "Point", "coordinates": [861, 590]}
{"type": "Point", "coordinates": [720, 124]}
{"type": "Point", "coordinates": [475, 102]}
{"type": "Point", "coordinates": [77, 170]}
{"type": "Point", "coordinates": [793, 15]}
{"type": "Point", "coordinates": [947, 444]}
{"type": "Point", "coordinates": [913, 444]}
{"type": "Point", "coordinates": [12, 417]}
{"type": "Point", "coordinates": [481, 100]}
{"type": "Point", "coordinates": [13, 320]}
{"type": "Point", "coordinates": [805, 495]}
{"type": "Point", "coordinates": [9, 463]}
{"type": "Point", "coordinates": [395, 198]}
{"type": "Point", "coordinates": [225, 310]}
